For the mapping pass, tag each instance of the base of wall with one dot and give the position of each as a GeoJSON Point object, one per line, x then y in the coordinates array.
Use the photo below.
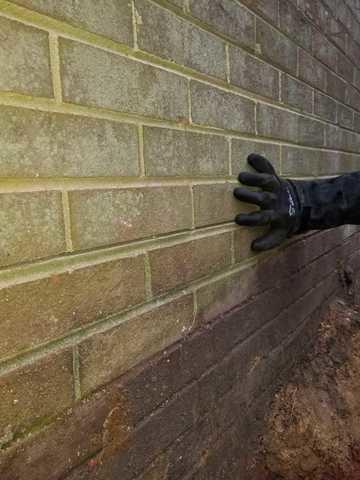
{"type": "Point", "coordinates": [194, 412]}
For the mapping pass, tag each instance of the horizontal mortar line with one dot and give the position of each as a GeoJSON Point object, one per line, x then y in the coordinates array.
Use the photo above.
{"type": "Point", "coordinates": [10, 185]}
{"type": "Point", "coordinates": [68, 263]}
{"type": "Point", "coordinates": [50, 106]}
{"type": "Point", "coordinates": [160, 62]}
{"type": "Point", "coordinates": [83, 333]}
{"type": "Point", "coordinates": [19, 184]}
{"type": "Point", "coordinates": [47, 105]}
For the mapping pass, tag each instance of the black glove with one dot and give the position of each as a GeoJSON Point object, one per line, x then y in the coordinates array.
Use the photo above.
{"type": "Point", "coordinates": [279, 204]}
{"type": "Point", "coordinates": [295, 206]}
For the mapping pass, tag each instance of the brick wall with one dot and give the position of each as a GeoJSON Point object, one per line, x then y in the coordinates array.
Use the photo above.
{"type": "Point", "coordinates": [138, 331]}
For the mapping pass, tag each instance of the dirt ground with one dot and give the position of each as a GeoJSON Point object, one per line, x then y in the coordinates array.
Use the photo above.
{"type": "Point", "coordinates": [313, 431]}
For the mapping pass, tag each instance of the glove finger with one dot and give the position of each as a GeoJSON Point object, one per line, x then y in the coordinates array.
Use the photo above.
{"type": "Point", "coordinates": [256, 219]}
{"type": "Point", "coordinates": [260, 163]}
{"type": "Point", "coordinates": [263, 180]}
{"type": "Point", "coordinates": [262, 199]}
{"type": "Point", "coordinates": [270, 240]}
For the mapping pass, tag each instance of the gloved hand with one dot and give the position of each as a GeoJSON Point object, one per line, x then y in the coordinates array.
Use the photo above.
{"type": "Point", "coordinates": [280, 207]}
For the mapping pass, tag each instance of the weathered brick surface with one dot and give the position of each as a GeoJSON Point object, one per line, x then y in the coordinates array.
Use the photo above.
{"type": "Point", "coordinates": [215, 204]}
{"type": "Point", "coordinates": [55, 145]}
{"type": "Point", "coordinates": [294, 24]}
{"type": "Point", "coordinates": [248, 72]}
{"type": "Point", "coordinates": [268, 8]}
{"type": "Point", "coordinates": [287, 126]}
{"type": "Point", "coordinates": [106, 356]}
{"type": "Point", "coordinates": [35, 221]}
{"type": "Point", "coordinates": [211, 106]}
{"type": "Point", "coordinates": [177, 153]}
{"type": "Point", "coordinates": [325, 107]}
{"type": "Point", "coordinates": [241, 149]}
{"type": "Point", "coordinates": [67, 301]}
{"type": "Point", "coordinates": [296, 94]}
{"type": "Point", "coordinates": [180, 264]}
{"type": "Point", "coordinates": [165, 34]}
{"type": "Point", "coordinates": [124, 125]}
{"type": "Point", "coordinates": [99, 78]}
{"type": "Point", "coordinates": [335, 87]}
{"type": "Point", "coordinates": [155, 382]}
{"type": "Point", "coordinates": [275, 47]}
{"type": "Point", "coordinates": [110, 18]}
{"type": "Point", "coordinates": [25, 59]}
{"type": "Point", "coordinates": [227, 17]}
{"type": "Point", "coordinates": [106, 217]}
{"type": "Point", "coordinates": [311, 70]}
{"type": "Point", "coordinates": [30, 396]}
{"type": "Point", "coordinates": [345, 116]}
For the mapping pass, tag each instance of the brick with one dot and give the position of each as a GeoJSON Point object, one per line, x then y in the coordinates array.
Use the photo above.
{"type": "Point", "coordinates": [275, 47]}
{"type": "Point", "coordinates": [300, 162]}
{"type": "Point", "coordinates": [177, 153]}
{"type": "Point", "coordinates": [335, 87]}
{"type": "Point", "coordinates": [276, 123]}
{"type": "Point", "coordinates": [67, 442]}
{"type": "Point", "coordinates": [357, 121]}
{"type": "Point", "coordinates": [345, 116]}
{"type": "Point", "coordinates": [352, 97]}
{"type": "Point", "coordinates": [325, 51]}
{"type": "Point", "coordinates": [297, 94]}
{"type": "Point", "coordinates": [316, 12]}
{"type": "Point", "coordinates": [286, 126]}
{"type": "Point", "coordinates": [106, 217]}
{"type": "Point", "coordinates": [30, 396]}
{"type": "Point", "coordinates": [172, 267]}
{"type": "Point", "coordinates": [215, 204]}
{"type": "Point", "coordinates": [267, 8]}
{"type": "Point", "coordinates": [35, 220]}
{"type": "Point", "coordinates": [99, 78]}
{"type": "Point", "coordinates": [311, 71]}
{"type": "Point", "coordinates": [217, 108]}
{"type": "Point", "coordinates": [163, 33]}
{"type": "Point", "coordinates": [221, 296]}
{"type": "Point", "coordinates": [67, 301]}
{"type": "Point", "coordinates": [311, 132]}
{"type": "Point", "coordinates": [226, 17]}
{"type": "Point", "coordinates": [337, 33]}
{"type": "Point", "coordinates": [353, 50]}
{"type": "Point", "coordinates": [152, 438]}
{"type": "Point", "coordinates": [53, 144]}
{"type": "Point", "coordinates": [106, 356]}
{"type": "Point", "coordinates": [241, 149]}
{"type": "Point", "coordinates": [325, 107]}
{"type": "Point", "coordinates": [243, 238]}
{"type": "Point", "coordinates": [357, 78]}
{"type": "Point", "coordinates": [252, 74]}
{"type": "Point", "coordinates": [294, 24]}
{"type": "Point", "coordinates": [178, 3]}
{"type": "Point", "coordinates": [109, 18]}
{"type": "Point", "coordinates": [25, 59]}
{"type": "Point", "coordinates": [344, 67]}
{"type": "Point", "coordinates": [187, 450]}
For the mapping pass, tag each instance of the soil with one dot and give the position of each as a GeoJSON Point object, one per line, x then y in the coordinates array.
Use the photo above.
{"type": "Point", "coordinates": [313, 430]}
